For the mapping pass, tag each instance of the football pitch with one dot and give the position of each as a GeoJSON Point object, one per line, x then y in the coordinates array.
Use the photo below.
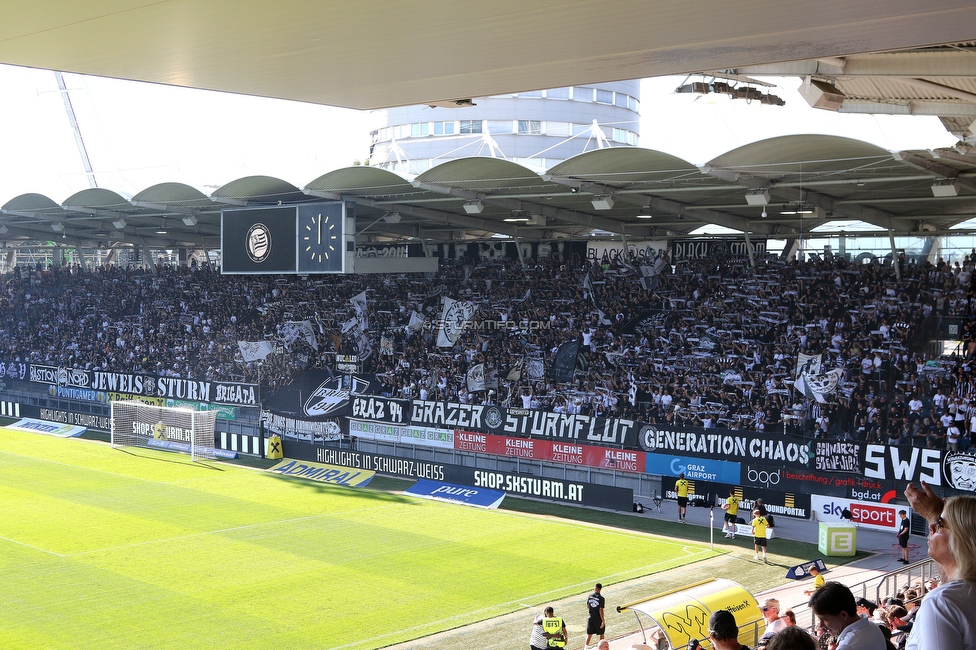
{"type": "Point", "coordinates": [108, 548]}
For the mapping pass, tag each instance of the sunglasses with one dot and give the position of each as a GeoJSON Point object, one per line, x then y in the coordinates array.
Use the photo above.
{"type": "Point", "coordinates": [939, 525]}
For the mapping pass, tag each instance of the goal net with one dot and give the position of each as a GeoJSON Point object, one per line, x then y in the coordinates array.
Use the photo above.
{"type": "Point", "coordinates": [136, 424]}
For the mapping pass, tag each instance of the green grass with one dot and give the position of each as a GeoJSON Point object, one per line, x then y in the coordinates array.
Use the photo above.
{"type": "Point", "coordinates": [104, 548]}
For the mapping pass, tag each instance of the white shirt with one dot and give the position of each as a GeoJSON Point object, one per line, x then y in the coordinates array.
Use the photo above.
{"type": "Point", "coordinates": [946, 619]}
{"type": "Point", "coordinates": [862, 635]}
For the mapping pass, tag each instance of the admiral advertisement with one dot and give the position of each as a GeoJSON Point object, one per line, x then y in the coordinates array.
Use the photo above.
{"type": "Point", "coordinates": [516, 484]}
{"type": "Point", "coordinates": [90, 382]}
{"type": "Point", "coordinates": [550, 450]}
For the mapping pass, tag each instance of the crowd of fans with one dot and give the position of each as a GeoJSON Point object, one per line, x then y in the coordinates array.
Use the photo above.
{"type": "Point", "coordinates": [716, 346]}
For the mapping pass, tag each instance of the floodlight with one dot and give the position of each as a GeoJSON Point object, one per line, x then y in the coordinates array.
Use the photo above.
{"type": "Point", "coordinates": [190, 220]}
{"type": "Point", "coordinates": [758, 196]}
{"type": "Point", "coordinates": [945, 187]}
{"type": "Point", "coordinates": [119, 223]}
{"type": "Point", "coordinates": [57, 226]}
{"type": "Point", "coordinates": [473, 207]}
{"type": "Point", "coordinates": [604, 202]}
{"type": "Point", "coordinates": [392, 217]}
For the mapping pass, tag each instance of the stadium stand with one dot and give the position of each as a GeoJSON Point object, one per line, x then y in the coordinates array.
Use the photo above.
{"type": "Point", "coordinates": [706, 344]}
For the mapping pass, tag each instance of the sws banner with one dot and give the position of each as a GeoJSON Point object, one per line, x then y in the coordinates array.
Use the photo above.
{"type": "Point", "coordinates": [550, 489]}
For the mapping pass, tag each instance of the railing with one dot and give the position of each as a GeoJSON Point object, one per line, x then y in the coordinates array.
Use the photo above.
{"type": "Point", "coordinates": [877, 589]}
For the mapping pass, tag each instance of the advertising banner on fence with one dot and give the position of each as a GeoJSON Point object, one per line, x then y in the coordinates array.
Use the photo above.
{"type": "Point", "coordinates": [323, 473]}
{"type": "Point", "coordinates": [319, 431]}
{"type": "Point", "coordinates": [87, 420]}
{"type": "Point", "coordinates": [221, 392]}
{"type": "Point", "coordinates": [424, 436]}
{"type": "Point", "coordinates": [777, 502]}
{"type": "Point", "coordinates": [725, 444]}
{"type": "Point", "coordinates": [460, 494]}
{"type": "Point", "coordinates": [380, 409]}
{"type": "Point", "coordinates": [804, 481]}
{"type": "Point", "coordinates": [550, 489]}
{"type": "Point", "coordinates": [880, 516]}
{"type": "Point", "coordinates": [694, 469]}
{"type": "Point", "coordinates": [624, 460]}
{"type": "Point", "coordinates": [525, 422]}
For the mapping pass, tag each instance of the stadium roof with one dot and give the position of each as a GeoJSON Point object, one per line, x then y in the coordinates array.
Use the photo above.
{"type": "Point", "coordinates": [377, 54]}
{"type": "Point", "coordinates": [798, 182]}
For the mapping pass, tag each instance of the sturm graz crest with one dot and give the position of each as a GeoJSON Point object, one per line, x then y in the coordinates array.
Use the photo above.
{"type": "Point", "coordinates": [258, 242]}
{"type": "Point", "coordinates": [493, 418]}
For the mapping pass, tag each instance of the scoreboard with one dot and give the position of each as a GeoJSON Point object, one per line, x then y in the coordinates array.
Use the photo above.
{"type": "Point", "coordinates": [299, 239]}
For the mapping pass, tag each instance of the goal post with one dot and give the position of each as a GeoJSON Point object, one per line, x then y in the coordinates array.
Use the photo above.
{"type": "Point", "coordinates": [137, 424]}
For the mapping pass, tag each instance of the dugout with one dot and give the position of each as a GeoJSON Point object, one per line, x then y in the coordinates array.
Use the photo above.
{"type": "Point", "coordinates": [682, 614]}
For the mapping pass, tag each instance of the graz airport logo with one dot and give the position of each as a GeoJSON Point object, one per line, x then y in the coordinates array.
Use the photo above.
{"type": "Point", "coordinates": [960, 470]}
{"type": "Point", "coordinates": [258, 242]}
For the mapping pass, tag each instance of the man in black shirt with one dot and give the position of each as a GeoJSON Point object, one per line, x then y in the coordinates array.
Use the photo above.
{"type": "Point", "coordinates": [596, 623]}
{"type": "Point", "coordinates": [904, 530]}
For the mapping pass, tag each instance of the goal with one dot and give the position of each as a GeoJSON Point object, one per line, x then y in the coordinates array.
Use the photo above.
{"type": "Point", "coordinates": [136, 424]}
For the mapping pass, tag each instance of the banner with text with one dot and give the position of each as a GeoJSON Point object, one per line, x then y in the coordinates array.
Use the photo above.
{"type": "Point", "coordinates": [549, 489]}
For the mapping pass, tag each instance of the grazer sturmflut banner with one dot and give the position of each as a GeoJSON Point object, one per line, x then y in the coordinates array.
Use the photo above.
{"type": "Point", "coordinates": [525, 422]}
{"type": "Point", "coordinates": [197, 390]}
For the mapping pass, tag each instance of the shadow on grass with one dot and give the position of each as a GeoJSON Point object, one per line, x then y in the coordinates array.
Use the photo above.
{"type": "Point", "coordinates": [177, 458]}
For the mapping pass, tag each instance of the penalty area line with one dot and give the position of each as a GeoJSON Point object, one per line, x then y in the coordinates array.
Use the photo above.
{"type": "Point", "coordinates": [33, 548]}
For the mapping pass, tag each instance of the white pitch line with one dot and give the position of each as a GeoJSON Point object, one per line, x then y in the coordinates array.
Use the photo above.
{"type": "Point", "coordinates": [33, 548]}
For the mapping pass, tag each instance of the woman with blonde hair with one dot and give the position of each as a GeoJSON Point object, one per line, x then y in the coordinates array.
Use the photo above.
{"type": "Point", "coordinates": [947, 616]}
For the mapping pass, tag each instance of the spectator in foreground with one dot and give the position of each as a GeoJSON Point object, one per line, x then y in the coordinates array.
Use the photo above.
{"type": "Point", "coordinates": [834, 604]}
{"type": "Point", "coordinates": [947, 616]}
{"type": "Point", "coordinates": [792, 638]}
{"type": "Point", "coordinates": [724, 632]}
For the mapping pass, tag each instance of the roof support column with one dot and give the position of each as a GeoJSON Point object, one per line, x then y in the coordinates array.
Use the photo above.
{"type": "Point", "coordinates": [147, 256]}
{"type": "Point", "coordinates": [791, 248]}
{"type": "Point", "coordinates": [752, 260]}
{"type": "Point", "coordinates": [518, 247]}
{"type": "Point", "coordinates": [894, 255]}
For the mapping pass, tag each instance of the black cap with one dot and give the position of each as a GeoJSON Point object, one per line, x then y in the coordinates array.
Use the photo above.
{"type": "Point", "coordinates": [864, 602]}
{"type": "Point", "coordinates": [723, 624]}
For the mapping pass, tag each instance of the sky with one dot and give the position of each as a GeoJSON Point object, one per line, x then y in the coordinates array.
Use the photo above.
{"type": "Point", "coordinates": [139, 134]}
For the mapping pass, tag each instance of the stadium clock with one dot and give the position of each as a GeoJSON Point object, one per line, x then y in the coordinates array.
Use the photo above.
{"type": "Point", "coordinates": [320, 238]}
